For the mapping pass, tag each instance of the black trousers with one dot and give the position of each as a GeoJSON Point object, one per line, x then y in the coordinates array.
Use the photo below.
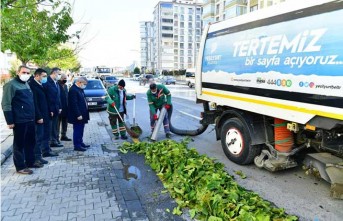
{"type": "Point", "coordinates": [62, 126]}
{"type": "Point", "coordinates": [54, 130]}
{"type": "Point", "coordinates": [23, 144]}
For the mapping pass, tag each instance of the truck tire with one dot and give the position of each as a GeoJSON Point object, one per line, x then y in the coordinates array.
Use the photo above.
{"type": "Point", "coordinates": [236, 142]}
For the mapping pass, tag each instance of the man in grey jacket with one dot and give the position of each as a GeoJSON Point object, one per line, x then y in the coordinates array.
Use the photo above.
{"type": "Point", "coordinates": [19, 111]}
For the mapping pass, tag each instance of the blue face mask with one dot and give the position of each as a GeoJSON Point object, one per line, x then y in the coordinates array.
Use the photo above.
{"type": "Point", "coordinates": [44, 80]}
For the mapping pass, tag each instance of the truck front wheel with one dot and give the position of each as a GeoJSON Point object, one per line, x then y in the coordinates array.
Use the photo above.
{"type": "Point", "coordinates": [236, 142]}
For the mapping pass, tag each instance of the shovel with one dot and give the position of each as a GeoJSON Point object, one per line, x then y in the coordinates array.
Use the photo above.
{"type": "Point", "coordinates": [135, 126]}
{"type": "Point", "coordinates": [132, 133]}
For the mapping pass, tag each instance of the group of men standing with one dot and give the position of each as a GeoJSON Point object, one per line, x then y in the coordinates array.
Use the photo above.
{"type": "Point", "coordinates": [36, 107]}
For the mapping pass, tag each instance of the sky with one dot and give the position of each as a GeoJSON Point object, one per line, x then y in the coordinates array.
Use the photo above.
{"type": "Point", "coordinates": [110, 30]}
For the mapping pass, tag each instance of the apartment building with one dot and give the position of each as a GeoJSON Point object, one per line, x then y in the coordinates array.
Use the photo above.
{"type": "Point", "coordinates": [219, 10]}
{"type": "Point", "coordinates": [146, 45]}
{"type": "Point", "coordinates": [175, 36]}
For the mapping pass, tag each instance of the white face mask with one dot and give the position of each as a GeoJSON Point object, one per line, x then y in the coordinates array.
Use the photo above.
{"type": "Point", "coordinates": [154, 92]}
{"type": "Point", "coordinates": [24, 77]}
{"type": "Point", "coordinates": [83, 86]}
{"type": "Point", "coordinates": [58, 77]}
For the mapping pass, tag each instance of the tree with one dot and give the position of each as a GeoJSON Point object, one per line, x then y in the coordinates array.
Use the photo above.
{"type": "Point", "coordinates": [62, 57]}
{"type": "Point", "coordinates": [30, 31]}
{"type": "Point", "coordinates": [136, 70]}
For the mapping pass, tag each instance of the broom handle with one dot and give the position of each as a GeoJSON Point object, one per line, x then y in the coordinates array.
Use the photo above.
{"type": "Point", "coordinates": [115, 108]}
{"type": "Point", "coordinates": [134, 110]}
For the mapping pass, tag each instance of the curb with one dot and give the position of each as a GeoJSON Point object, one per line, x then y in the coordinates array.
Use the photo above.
{"type": "Point", "coordinates": [6, 154]}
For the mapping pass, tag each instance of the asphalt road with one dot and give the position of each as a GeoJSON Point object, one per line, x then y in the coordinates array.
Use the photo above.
{"type": "Point", "coordinates": [300, 195]}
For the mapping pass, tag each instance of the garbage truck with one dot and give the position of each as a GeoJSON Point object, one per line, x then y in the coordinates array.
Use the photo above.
{"type": "Point", "coordinates": [273, 82]}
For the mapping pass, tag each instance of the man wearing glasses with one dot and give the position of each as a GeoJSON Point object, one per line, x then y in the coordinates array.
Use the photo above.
{"type": "Point", "coordinates": [19, 111]}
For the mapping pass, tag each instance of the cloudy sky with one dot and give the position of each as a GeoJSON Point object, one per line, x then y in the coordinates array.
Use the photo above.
{"type": "Point", "coordinates": [110, 29]}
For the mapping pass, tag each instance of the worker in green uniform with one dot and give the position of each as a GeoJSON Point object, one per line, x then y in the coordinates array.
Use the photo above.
{"type": "Point", "coordinates": [158, 97]}
{"type": "Point", "coordinates": [117, 98]}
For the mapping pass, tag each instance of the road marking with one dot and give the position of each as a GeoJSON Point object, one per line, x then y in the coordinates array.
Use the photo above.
{"type": "Point", "coordinates": [190, 115]}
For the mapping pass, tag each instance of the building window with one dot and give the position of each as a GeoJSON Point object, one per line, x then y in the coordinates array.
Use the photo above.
{"type": "Point", "coordinates": [190, 45]}
{"type": "Point", "coordinates": [190, 10]}
{"type": "Point", "coordinates": [166, 20]}
{"type": "Point", "coordinates": [182, 24]}
{"type": "Point", "coordinates": [181, 45]}
{"type": "Point", "coordinates": [189, 52]}
{"type": "Point", "coordinates": [182, 53]}
{"type": "Point", "coordinates": [254, 8]}
{"type": "Point", "coordinates": [167, 35]}
{"type": "Point", "coordinates": [190, 17]}
{"type": "Point", "coordinates": [182, 38]}
{"type": "Point", "coordinates": [167, 28]}
{"type": "Point", "coordinates": [182, 17]}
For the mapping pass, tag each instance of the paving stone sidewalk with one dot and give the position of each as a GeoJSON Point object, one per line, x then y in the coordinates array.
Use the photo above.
{"type": "Point", "coordinates": [73, 186]}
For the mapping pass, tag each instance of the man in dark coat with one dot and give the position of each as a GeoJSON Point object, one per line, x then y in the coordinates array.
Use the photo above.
{"type": "Point", "coordinates": [78, 114]}
{"type": "Point", "coordinates": [62, 118]}
{"type": "Point", "coordinates": [19, 111]}
{"type": "Point", "coordinates": [54, 102]}
{"type": "Point", "coordinates": [42, 117]}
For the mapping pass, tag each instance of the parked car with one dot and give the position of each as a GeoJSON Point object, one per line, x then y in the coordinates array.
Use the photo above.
{"type": "Point", "coordinates": [95, 93]}
{"type": "Point", "coordinates": [136, 77]}
{"type": "Point", "coordinates": [168, 80]}
{"type": "Point", "coordinates": [110, 81]}
{"type": "Point", "coordinates": [146, 78]}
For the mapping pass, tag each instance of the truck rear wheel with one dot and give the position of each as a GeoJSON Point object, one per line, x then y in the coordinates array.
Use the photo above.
{"type": "Point", "coordinates": [235, 139]}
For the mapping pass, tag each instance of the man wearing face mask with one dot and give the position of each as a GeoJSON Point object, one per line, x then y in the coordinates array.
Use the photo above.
{"type": "Point", "coordinates": [53, 95]}
{"type": "Point", "coordinates": [42, 118]}
{"type": "Point", "coordinates": [78, 114]}
{"type": "Point", "coordinates": [19, 111]}
{"type": "Point", "coordinates": [158, 97]}
{"type": "Point", "coordinates": [62, 118]}
{"type": "Point", "coordinates": [117, 98]}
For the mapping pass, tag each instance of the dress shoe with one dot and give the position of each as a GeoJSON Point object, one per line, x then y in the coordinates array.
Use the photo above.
{"type": "Point", "coordinates": [65, 139]}
{"type": "Point", "coordinates": [56, 145]}
{"type": "Point", "coordinates": [85, 145]}
{"type": "Point", "coordinates": [25, 171]}
{"type": "Point", "coordinates": [168, 135]}
{"type": "Point", "coordinates": [79, 149]}
{"type": "Point", "coordinates": [116, 137]}
{"type": "Point", "coordinates": [50, 154]}
{"type": "Point", "coordinates": [123, 137]}
{"type": "Point", "coordinates": [36, 164]}
{"type": "Point", "coordinates": [43, 161]}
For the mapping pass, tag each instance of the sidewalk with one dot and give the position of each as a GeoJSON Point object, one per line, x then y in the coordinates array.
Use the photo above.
{"type": "Point", "coordinates": [87, 185]}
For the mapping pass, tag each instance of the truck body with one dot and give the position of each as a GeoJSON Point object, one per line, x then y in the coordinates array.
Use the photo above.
{"type": "Point", "coordinates": [274, 79]}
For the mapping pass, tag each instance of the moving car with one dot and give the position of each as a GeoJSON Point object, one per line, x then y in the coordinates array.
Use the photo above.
{"type": "Point", "coordinates": [168, 80]}
{"type": "Point", "coordinates": [110, 81]}
{"type": "Point", "coordinates": [190, 77]}
{"type": "Point", "coordinates": [95, 93]}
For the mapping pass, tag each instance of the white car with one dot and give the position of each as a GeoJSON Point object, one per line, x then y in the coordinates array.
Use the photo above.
{"type": "Point", "coordinates": [136, 77]}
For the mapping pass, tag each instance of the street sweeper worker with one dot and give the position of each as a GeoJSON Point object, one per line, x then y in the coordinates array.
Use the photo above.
{"type": "Point", "coordinates": [117, 98]}
{"type": "Point", "coordinates": [158, 97]}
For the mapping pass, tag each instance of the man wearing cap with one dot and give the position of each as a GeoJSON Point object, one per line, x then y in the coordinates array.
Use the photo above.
{"type": "Point", "coordinates": [159, 96]}
{"type": "Point", "coordinates": [116, 100]}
